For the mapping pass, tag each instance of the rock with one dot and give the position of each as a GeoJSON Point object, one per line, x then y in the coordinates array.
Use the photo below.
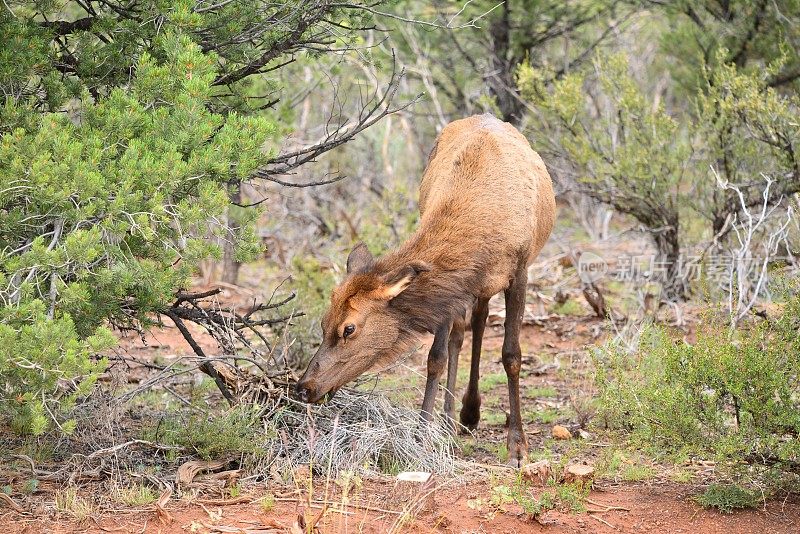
{"type": "Point", "coordinates": [584, 434]}
{"type": "Point", "coordinates": [578, 473]}
{"type": "Point", "coordinates": [537, 472]}
{"type": "Point", "coordinates": [560, 432]}
{"type": "Point", "coordinates": [419, 477]}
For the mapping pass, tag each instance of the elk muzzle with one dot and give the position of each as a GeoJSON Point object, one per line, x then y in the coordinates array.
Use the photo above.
{"type": "Point", "coordinates": [308, 391]}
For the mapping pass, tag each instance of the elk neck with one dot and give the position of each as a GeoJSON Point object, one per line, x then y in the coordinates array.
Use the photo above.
{"type": "Point", "coordinates": [442, 294]}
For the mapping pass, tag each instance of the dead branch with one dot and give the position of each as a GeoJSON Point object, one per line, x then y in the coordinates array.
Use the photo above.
{"type": "Point", "coordinates": [228, 327]}
{"type": "Point", "coordinates": [373, 110]}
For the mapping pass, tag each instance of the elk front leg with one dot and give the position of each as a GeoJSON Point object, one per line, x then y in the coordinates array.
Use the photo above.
{"type": "Point", "coordinates": [437, 357]}
{"type": "Point", "coordinates": [470, 413]}
{"type": "Point", "coordinates": [512, 360]}
{"type": "Point", "coordinates": [453, 350]}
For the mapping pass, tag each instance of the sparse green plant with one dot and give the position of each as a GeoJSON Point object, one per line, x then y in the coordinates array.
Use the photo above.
{"type": "Point", "coordinates": [609, 462]}
{"type": "Point", "coordinates": [569, 497]}
{"type": "Point", "coordinates": [388, 465]}
{"type": "Point", "coordinates": [494, 417]}
{"type": "Point", "coordinates": [267, 503]}
{"type": "Point", "coordinates": [681, 476]}
{"type": "Point", "coordinates": [490, 381]}
{"type": "Point", "coordinates": [732, 396]}
{"type": "Point", "coordinates": [572, 496]}
{"type": "Point", "coordinates": [234, 491]}
{"type": "Point", "coordinates": [501, 451]}
{"type": "Point", "coordinates": [69, 502]}
{"type": "Point", "coordinates": [636, 472]}
{"type": "Point", "coordinates": [728, 497]}
{"type": "Point", "coordinates": [569, 307]}
{"type": "Point", "coordinates": [541, 392]}
{"type": "Point", "coordinates": [543, 453]}
{"type": "Point", "coordinates": [30, 487]}
{"type": "Point", "coordinates": [546, 416]}
{"type": "Point", "coordinates": [467, 446]}
{"type": "Point", "coordinates": [136, 495]}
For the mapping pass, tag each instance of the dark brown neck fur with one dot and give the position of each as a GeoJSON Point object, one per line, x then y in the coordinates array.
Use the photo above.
{"type": "Point", "coordinates": [448, 289]}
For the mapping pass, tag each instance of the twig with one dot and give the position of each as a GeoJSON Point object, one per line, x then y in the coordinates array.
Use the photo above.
{"type": "Point", "coordinates": [115, 448]}
{"type": "Point", "coordinates": [608, 507]}
{"type": "Point", "coordinates": [9, 501]}
{"type": "Point", "coordinates": [602, 521]}
{"type": "Point", "coordinates": [351, 505]}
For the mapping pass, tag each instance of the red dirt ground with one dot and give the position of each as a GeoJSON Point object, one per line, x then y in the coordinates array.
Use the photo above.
{"type": "Point", "coordinates": [657, 508]}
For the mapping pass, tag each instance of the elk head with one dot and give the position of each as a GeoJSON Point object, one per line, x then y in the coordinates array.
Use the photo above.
{"type": "Point", "coordinates": [361, 328]}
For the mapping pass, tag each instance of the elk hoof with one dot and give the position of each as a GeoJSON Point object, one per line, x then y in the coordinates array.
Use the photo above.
{"type": "Point", "coordinates": [470, 415]}
{"type": "Point", "coordinates": [517, 449]}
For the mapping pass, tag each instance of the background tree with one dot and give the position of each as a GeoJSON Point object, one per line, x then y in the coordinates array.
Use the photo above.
{"type": "Point", "coordinates": [625, 151]}
{"type": "Point", "coordinates": [748, 34]}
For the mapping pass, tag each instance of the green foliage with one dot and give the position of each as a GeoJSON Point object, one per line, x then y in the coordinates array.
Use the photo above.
{"type": "Point", "coordinates": [390, 219]}
{"type": "Point", "coordinates": [567, 497]}
{"type": "Point", "coordinates": [123, 131]}
{"type": "Point", "coordinates": [568, 307]}
{"type": "Point", "coordinates": [60, 50]}
{"type": "Point", "coordinates": [104, 218]}
{"type": "Point", "coordinates": [728, 497]}
{"type": "Point", "coordinates": [492, 380]}
{"type": "Point", "coordinates": [704, 35]}
{"type": "Point", "coordinates": [471, 66]}
{"type": "Point", "coordinates": [46, 367]}
{"type": "Point", "coordinates": [733, 396]}
{"type": "Point", "coordinates": [631, 154]}
{"type": "Point", "coordinates": [233, 433]}
{"type": "Point", "coordinates": [541, 392]}
{"type": "Point", "coordinates": [70, 502]}
{"type": "Point", "coordinates": [267, 503]}
{"type": "Point", "coordinates": [749, 129]}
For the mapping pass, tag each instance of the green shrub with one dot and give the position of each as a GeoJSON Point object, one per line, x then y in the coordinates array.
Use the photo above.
{"type": "Point", "coordinates": [135, 495]}
{"type": "Point", "coordinates": [45, 367]}
{"type": "Point", "coordinates": [727, 497]}
{"type": "Point", "coordinates": [733, 395]}
{"type": "Point", "coordinates": [233, 433]}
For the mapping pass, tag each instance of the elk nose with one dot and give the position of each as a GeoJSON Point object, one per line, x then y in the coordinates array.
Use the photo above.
{"type": "Point", "coordinates": [303, 391]}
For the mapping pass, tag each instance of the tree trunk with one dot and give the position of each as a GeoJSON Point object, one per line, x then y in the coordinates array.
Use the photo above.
{"type": "Point", "coordinates": [668, 269]}
{"type": "Point", "coordinates": [230, 267]}
{"type": "Point", "coordinates": [501, 79]}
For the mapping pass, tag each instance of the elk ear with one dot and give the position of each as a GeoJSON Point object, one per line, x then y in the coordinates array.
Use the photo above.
{"type": "Point", "coordinates": [360, 260]}
{"type": "Point", "coordinates": [398, 280]}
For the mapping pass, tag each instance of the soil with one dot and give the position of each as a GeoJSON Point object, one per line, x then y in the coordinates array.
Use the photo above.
{"type": "Point", "coordinates": [641, 508]}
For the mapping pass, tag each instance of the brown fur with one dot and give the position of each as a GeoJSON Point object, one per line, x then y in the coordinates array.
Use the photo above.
{"type": "Point", "coordinates": [487, 207]}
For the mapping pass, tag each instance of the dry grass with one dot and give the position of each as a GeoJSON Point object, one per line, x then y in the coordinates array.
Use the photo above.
{"type": "Point", "coordinates": [361, 430]}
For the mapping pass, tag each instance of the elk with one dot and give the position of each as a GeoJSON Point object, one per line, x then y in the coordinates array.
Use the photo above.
{"type": "Point", "coordinates": [486, 209]}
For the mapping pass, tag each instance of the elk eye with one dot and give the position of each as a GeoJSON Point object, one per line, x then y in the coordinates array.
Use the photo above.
{"type": "Point", "coordinates": [348, 330]}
